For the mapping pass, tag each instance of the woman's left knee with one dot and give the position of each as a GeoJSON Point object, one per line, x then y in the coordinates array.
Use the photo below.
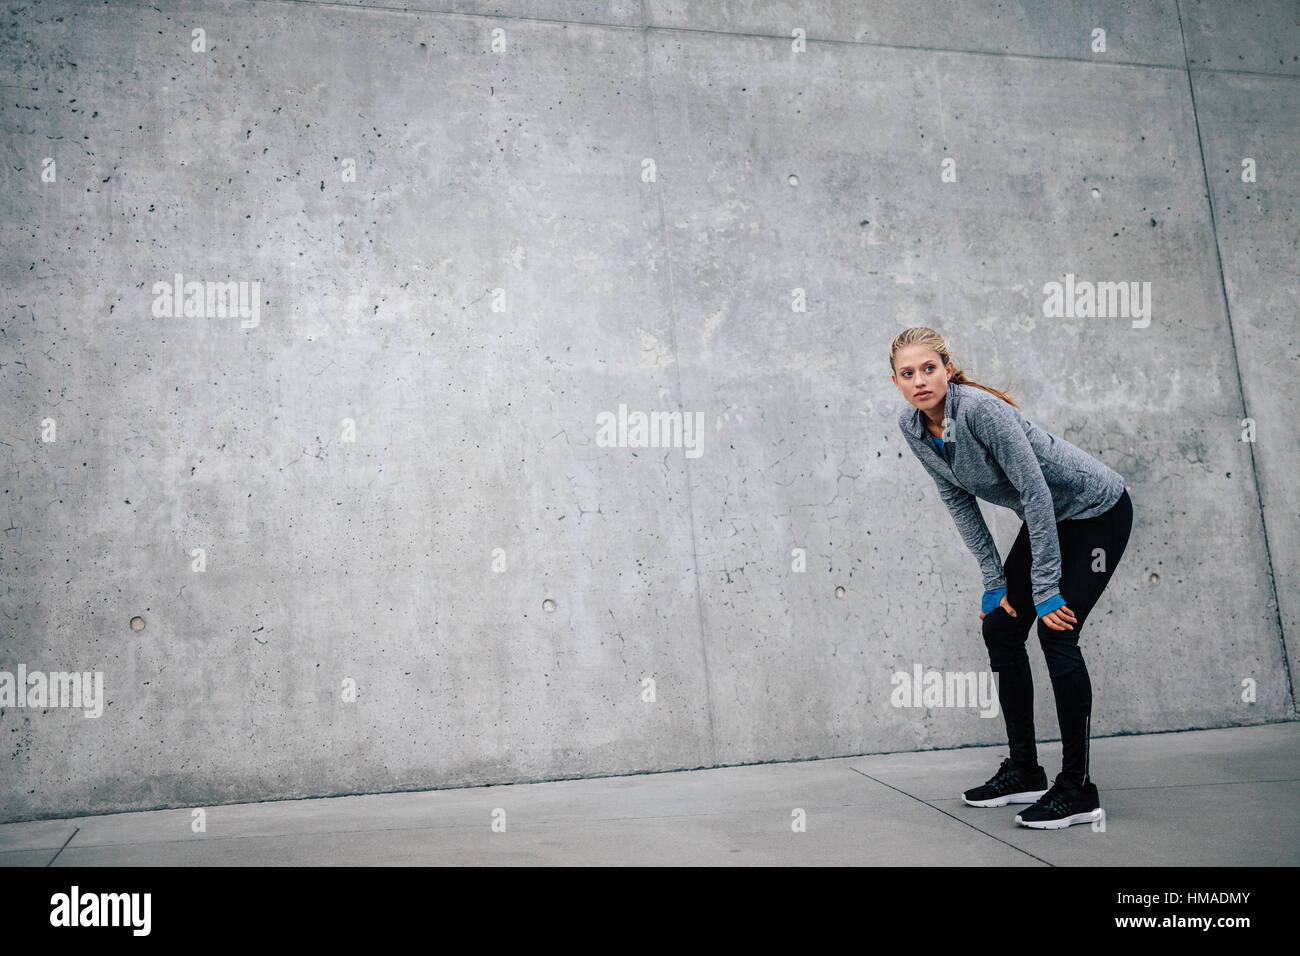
{"type": "Point", "coordinates": [1061, 650]}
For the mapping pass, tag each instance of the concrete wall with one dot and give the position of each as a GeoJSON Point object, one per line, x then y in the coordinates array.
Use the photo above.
{"type": "Point", "coordinates": [392, 471]}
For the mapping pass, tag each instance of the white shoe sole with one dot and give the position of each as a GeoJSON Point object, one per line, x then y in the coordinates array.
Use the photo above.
{"type": "Point", "coordinates": [1086, 817]}
{"type": "Point", "coordinates": [1028, 796]}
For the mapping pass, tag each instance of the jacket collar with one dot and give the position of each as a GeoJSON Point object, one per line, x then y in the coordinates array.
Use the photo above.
{"type": "Point", "coordinates": [950, 401]}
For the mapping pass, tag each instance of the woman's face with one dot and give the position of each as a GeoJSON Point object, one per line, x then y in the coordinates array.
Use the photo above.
{"type": "Point", "coordinates": [920, 376]}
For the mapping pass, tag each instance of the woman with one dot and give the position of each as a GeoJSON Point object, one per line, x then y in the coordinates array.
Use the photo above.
{"type": "Point", "coordinates": [1076, 515]}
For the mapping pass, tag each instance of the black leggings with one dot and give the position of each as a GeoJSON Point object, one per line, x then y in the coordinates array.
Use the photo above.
{"type": "Point", "coordinates": [1084, 576]}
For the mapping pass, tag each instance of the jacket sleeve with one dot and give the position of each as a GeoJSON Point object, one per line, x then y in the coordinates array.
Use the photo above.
{"type": "Point", "coordinates": [996, 425]}
{"type": "Point", "coordinates": [966, 515]}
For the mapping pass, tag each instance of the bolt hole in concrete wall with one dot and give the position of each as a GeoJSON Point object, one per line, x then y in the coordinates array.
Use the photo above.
{"type": "Point", "coordinates": [314, 361]}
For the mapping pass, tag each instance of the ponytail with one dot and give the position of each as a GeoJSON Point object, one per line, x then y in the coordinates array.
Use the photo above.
{"type": "Point", "coordinates": [932, 340]}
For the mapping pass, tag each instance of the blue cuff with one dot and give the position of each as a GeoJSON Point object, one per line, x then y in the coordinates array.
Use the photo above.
{"type": "Point", "coordinates": [991, 599]}
{"type": "Point", "coordinates": [1050, 605]}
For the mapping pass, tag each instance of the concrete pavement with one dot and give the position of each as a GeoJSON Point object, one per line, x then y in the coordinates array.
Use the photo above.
{"type": "Point", "coordinates": [1202, 798]}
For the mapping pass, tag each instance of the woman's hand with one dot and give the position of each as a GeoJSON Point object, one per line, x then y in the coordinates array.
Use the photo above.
{"type": "Point", "coordinates": [1057, 619]}
{"type": "Point", "coordinates": [1005, 605]}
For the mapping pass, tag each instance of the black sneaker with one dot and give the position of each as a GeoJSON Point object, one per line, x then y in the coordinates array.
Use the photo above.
{"type": "Point", "coordinates": [1066, 804]}
{"type": "Point", "coordinates": [1009, 785]}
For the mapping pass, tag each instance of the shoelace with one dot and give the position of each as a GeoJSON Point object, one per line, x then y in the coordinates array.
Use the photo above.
{"type": "Point", "coordinates": [1059, 803]}
{"type": "Point", "coordinates": [1055, 799]}
{"type": "Point", "coordinates": [1007, 779]}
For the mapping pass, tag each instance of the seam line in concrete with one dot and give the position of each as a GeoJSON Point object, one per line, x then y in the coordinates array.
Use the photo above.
{"type": "Point", "coordinates": [74, 832]}
{"type": "Point", "coordinates": [1180, 786]}
{"type": "Point", "coordinates": [1207, 783]}
{"type": "Point", "coordinates": [646, 25]}
{"type": "Point", "coordinates": [771, 762]}
{"type": "Point", "coordinates": [1228, 72]}
{"type": "Point", "coordinates": [681, 395]}
{"type": "Point", "coordinates": [951, 816]}
{"type": "Point", "coordinates": [1236, 363]}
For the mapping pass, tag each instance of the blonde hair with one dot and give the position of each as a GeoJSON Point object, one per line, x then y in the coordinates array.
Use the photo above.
{"type": "Point", "coordinates": [930, 339]}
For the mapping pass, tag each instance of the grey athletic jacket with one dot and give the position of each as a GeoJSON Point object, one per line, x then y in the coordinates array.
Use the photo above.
{"type": "Point", "coordinates": [993, 452]}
